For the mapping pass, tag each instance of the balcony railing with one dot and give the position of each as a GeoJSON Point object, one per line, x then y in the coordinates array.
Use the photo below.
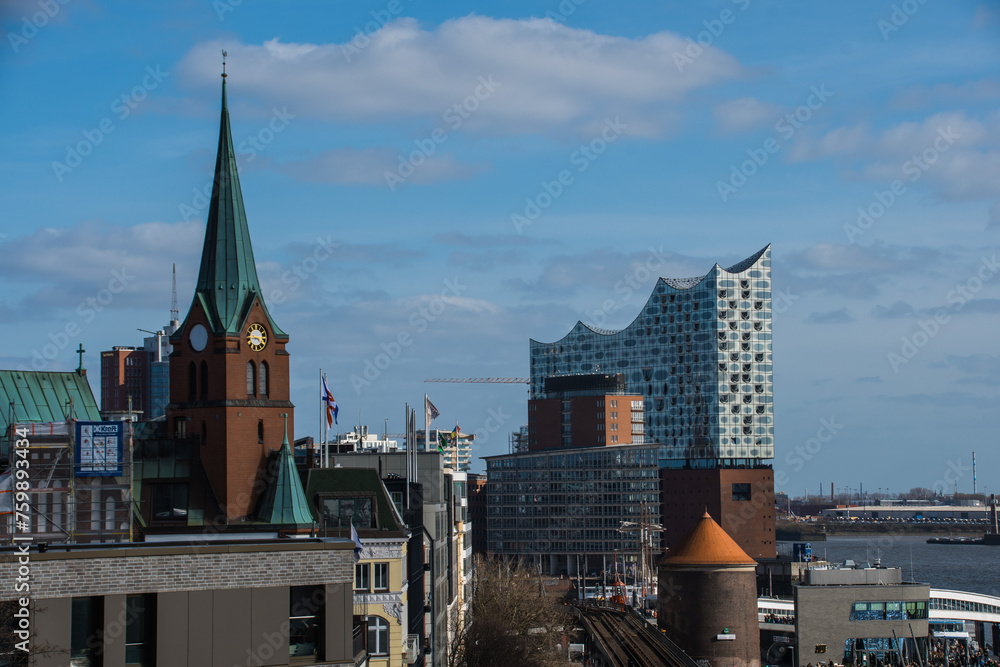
{"type": "Point", "coordinates": [360, 636]}
{"type": "Point", "coordinates": [412, 649]}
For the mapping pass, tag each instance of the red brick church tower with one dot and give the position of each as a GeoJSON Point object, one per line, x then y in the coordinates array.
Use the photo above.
{"type": "Point", "coordinates": [229, 368]}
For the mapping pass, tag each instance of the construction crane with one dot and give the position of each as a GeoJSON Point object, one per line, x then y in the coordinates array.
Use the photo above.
{"type": "Point", "coordinates": [482, 380]}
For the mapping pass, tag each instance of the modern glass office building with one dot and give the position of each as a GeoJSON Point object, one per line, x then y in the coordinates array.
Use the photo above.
{"type": "Point", "coordinates": [566, 508]}
{"type": "Point", "coordinates": [700, 355]}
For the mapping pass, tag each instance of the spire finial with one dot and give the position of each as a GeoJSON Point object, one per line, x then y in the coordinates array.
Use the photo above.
{"type": "Point", "coordinates": [284, 443]}
{"type": "Point", "coordinates": [224, 54]}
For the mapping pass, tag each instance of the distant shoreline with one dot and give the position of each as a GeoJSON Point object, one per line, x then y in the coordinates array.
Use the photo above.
{"type": "Point", "coordinates": [790, 531]}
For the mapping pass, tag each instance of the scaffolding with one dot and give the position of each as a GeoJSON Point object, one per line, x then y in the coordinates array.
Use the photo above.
{"type": "Point", "coordinates": [65, 504]}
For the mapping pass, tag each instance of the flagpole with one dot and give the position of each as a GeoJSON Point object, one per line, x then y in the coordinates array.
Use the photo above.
{"type": "Point", "coordinates": [322, 416]}
{"type": "Point", "coordinates": [323, 452]}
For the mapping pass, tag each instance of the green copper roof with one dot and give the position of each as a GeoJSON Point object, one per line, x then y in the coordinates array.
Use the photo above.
{"type": "Point", "coordinates": [227, 281]}
{"type": "Point", "coordinates": [45, 397]}
{"type": "Point", "coordinates": [284, 501]}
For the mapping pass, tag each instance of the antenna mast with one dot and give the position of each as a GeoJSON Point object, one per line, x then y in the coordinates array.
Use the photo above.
{"type": "Point", "coordinates": [175, 313]}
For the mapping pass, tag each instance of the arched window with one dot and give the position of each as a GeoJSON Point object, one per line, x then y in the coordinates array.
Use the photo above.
{"type": "Point", "coordinates": [263, 380]}
{"type": "Point", "coordinates": [204, 380]}
{"type": "Point", "coordinates": [378, 635]}
{"type": "Point", "coordinates": [251, 380]}
{"type": "Point", "coordinates": [192, 381]}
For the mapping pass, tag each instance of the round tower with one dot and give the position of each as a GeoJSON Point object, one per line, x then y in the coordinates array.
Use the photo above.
{"type": "Point", "coordinates": [707, 598]}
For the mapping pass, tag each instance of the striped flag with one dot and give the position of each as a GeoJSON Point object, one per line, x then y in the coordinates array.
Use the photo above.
{"type": "Point", "coordinates": [331, 405]}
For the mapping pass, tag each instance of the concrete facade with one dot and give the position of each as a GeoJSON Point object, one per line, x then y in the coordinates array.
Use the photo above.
{"type": "Point", "coordinates": [205, 604]}
{"type": "Point", "coordinates": [830, 628]}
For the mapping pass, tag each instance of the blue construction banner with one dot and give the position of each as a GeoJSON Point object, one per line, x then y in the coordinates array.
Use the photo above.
{"type": "Point", "coordinates": [99, 449]}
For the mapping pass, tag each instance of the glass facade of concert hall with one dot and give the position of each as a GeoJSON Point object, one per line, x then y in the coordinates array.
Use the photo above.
{"type": "Point", "coordinates": [699, 353]}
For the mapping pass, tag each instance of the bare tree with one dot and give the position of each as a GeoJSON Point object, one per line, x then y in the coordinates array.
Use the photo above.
{"type": "Point", "coordinates": [511, 620]}
{"type": "Point", "coordinates": [12, 646]}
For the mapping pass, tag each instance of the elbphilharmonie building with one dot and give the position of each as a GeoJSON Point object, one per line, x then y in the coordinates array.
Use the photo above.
{"type": "Point", "coordinates": [699, 353]}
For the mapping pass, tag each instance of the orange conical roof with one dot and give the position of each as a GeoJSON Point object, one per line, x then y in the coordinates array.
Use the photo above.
{"type": "Point", "coordinates": [707, 544]}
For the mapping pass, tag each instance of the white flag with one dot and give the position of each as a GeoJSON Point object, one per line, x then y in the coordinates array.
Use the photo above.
{"type": "Point", "coordinates": [430, 410]}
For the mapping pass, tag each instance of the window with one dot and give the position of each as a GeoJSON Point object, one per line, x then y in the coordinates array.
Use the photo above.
{"type": "Point", "coordinates": [741, 491]}
{"type": "Point", "coordinates": [204, 433]}
{"type": "Point", "coordinates": [378, 635]}
{"type": "Point", "coordinates": [204, 380]}
{"type": "Point", "coordinates": [180, 427]}
{"type": "Point", "coordinates": [341, 512]}
{"type": "Point", "coordinates": [380, 576]}
{"type": "Point", "coordinates": [362, 581]}
{"type": "Point", "coordinates": [140, 628]}
{"type": "Point", "coordinates": [86, 623]}
{"type": "Point", "coordinates": [305, 618]}
{"type": "Point", "coordinates": [263, 380]}
{"type": "Point", "coordinates": [170, 501]}
{"type": "Point", "coordinates": [260, 431]}
{"type": "Point", "coordinates": [251, 380]}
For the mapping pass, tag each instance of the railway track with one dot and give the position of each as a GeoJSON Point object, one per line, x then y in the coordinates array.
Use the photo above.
{"type": "Point", "coordinates": [625, 639]}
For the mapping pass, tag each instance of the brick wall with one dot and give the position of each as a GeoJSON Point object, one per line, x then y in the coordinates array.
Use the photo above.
{"type": "Point", "coordinates": [232, 454]}
{"type": "Point", "coordinates": [163, 569]}
{"type": "Point", "coordinates": [686, 494]}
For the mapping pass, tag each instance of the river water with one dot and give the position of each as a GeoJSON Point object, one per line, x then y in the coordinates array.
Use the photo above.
{"type": "Point", "coordinates": [963, 567]}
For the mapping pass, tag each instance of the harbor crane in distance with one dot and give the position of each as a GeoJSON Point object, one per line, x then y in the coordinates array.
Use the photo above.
{"type": "Point", "coordinates": [482, 380]}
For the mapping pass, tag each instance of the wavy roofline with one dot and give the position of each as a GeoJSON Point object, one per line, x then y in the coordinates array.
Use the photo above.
{"type": "Point", "coordinates": [739, 267]}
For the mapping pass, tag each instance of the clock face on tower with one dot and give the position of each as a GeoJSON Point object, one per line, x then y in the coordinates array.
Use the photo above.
{"type": "Point", "coordinates": [256, 337]}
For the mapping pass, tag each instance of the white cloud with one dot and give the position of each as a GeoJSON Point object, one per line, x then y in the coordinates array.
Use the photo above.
{"type": "Point", "coordinates": [743, 114]}
{"type": "Point", "coordinates": [957, 155]}
{"type": "Point", "coordinates": [54, 269]}
{"type": "Point", "coordinates": [547, 76]}
{"type": "Point", "coordinates": [369, 166]}
{"type": "Point", "coordinates": [947, 93]}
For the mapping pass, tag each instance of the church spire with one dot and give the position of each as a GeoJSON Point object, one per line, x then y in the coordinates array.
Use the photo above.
{"type": "Point", "coordinates": [227, 281]}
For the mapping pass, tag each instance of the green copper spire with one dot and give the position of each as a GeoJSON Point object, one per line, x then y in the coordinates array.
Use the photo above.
{"type": "Point", "coordinates": [227, 281]}
{"type": "Point", "coordinates": [284, 500]}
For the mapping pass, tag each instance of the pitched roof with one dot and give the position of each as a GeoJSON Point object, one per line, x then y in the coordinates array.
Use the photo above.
{"type": "Point", "coordinates": [284, 501]}
{"type": "Point", "coordinates": [44, 396]}
{"type": "Point", "coordinates": [227, 281]}
{"type": "Point", "coordinates": [707, 544]}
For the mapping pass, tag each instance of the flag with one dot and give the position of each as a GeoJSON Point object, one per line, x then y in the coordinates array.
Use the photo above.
{"type": "Point", "coordinates": [429, 409]}
{"type": "Point", "coordinates": [357, 543]}
{"type": "Point", "coordinates": [6, 493]}
{"type": "Point", "coordinates": [448, 439]}
{"type": "Point", "coordinates": [331, 405]}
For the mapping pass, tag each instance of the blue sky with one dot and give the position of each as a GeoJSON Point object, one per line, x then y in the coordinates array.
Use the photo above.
{"type": "Point", "coordinates": [470, 178]}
